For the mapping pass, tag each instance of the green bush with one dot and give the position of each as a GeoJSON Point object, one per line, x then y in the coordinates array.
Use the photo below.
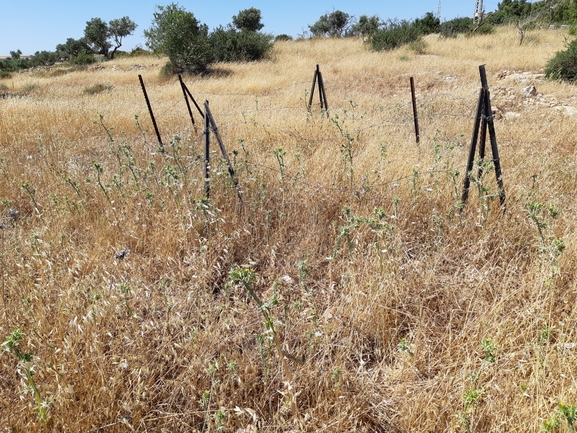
{"type": "Point", "coordinates": [394, 35]}
{"type": "Point", "coordinates": [283, 37]}
{"type": "Point", "coordinates": [5, 74]}
{"type": "Point", "coordinates": [230, 45]}
{"type": "Point", "coordinates": [83, 59]}
{"type": "Point", "coordinates": [564, 65]}
{"type": "Point", "coordinates": [456, 26]}
{"type": "Point", "coordinates": [177, 34]}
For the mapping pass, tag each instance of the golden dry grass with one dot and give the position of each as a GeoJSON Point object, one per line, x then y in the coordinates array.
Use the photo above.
{"type": "Point", "coordinates": [394, 311]}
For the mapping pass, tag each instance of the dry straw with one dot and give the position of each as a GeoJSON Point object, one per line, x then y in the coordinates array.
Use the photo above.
{"type": "Point", "coordinates": [385, 307]}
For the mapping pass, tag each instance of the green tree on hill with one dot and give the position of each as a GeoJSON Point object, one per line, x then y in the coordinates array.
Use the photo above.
{"type": "Point", "coordinates": [248, 20]}
{"type": "Point", "coordinates": [334, 24]}
{"type": "Point", "coordinates": [98, 34]}
{"type": "Point", "coordinates": [177, 34]}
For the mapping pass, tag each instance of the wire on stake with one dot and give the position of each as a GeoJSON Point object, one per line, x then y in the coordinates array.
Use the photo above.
{"type": "Point", "coordinates": [209, 123]}
{"type": "Point", "coordinates": [483, 122]}
{"type": "Point", "coordinates": [318, 77]}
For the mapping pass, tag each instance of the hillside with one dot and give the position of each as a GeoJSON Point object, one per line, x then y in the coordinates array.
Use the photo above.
{"type": "Point", "coordinates": [130, 300]}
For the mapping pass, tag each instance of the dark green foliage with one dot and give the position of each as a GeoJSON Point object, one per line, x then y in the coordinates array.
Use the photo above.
{"type": "Point", "coordinates": [283, 37]}
{"type": "Point", "coordinates": [365, 26]}
{"type": "Point", "coordinates": [44, 58]}
{"type": "Point", "coordinates": [15, 55]}
{"type": "Point", "coordinates": [564, 65]}
{"type": "Point", "coordinates": [119, 29]}
{"type": "Point", "coordinates": [98, 34]}
{"type": "Point", "coordinates": [456, 26]}
{"type": "Point", "coordinates": [231, 45]}
{"type": "Point", "coordinates": [83, 59]}
{"type": "Point", "coordinates": [428, 24]}
{"type": "Point", "coordinates": [333, 24]}
{"type": "Point", "coordinates": [177, 34]}
{"type": "Point", "coordinates": [73, 48]}
{"type": "Point", "coordinates": [513, 11]}
{"type": "Point", "coordinates": [394, 35]}
{"type": "Point", "coordinates": [565, 12]}
{"type": "Point", "coordinates": [248, 20]}
{"type": "Point", "coordinates": [5, 74]}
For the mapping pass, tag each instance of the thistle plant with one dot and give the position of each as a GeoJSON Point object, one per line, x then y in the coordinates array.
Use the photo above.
{"type": "Point", "coordinates": [246, 277]}
{"type": "Point", "coordinates": [473, 394]}
{"type": "Point", "coordinates": [26, 368]}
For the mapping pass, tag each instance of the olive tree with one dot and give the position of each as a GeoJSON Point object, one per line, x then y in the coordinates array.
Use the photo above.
{"type": "Point", "coordinates": [248, 20]}
{"type": "Point", "coordinates": [333, 24]}
{"type": "Point", "coordinates": [98, 34]}
{"type": "Point", "coordinates": [177, 34]}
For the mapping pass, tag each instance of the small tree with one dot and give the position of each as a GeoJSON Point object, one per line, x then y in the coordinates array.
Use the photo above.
{"type": "Point", "coordinates": [366, 26]}
{"type": "Point", "coordinates": [428, 24]}
{"type": "Point", "coordinates": [177, 34]}
{"type": "Point", "coordinates": [333, 24]}
{"type": "Point", "coordinates": [15, 55]}
{"type": "Point", "coordinates": [96, 35]}
{"type": "Point", "coordinates": [248, 20]}
{"type": "Point", "coordinates": [119, 29]}
{"type": "Point", "coordinates": [73, 48]}
{"type": "Point", "coordinates": [564, 65]}
{"type": "Point", "coordinates": [394, 35]}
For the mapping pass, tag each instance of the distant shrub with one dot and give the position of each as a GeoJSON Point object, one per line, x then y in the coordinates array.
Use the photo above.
{"type": "Point", "coordinates": [283, 37]}
{"type": "Point", "coordinates": [97, 88]}
{"type": "Point", "coordinates": [57, 72]}
{"type": "Point", "coordinates": [564, 65]}
{"type": "Point", "coordinates": [29, 87]}
{"type": "Point", "coordinates": [394, 35]}
{"type": "Point", "coordinates": [484, 29]}
{"type": "Point", "coordinates": [139, 51]}
{"type": "Point", "coordinates": [83, 59]}
{"type": "Point", "coordinates": [5, 74]}
{"type": "Point", "coordinates": [419, 46]}
{"type": "Point", "coordinates": [456, 26]}
{"type": "Point", "coordinates": [231, 45]}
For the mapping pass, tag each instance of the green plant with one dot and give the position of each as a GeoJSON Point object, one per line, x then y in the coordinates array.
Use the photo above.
{"type": "Point", "coordinates": [569, 412]}
{"type": "Point", "coordinates": [83, 59]}
{"type": "Point", "coordinates": [231, 45]}
{"type": "Point", "coordinates": [177, 34]}
{"type": "Point", "coordinates": [543, 216]}
{"type": "Point", "coordinates": [394, 35]}
{"type": "Point", "coordinates": [474, 393]}
{"type": "Point", "coordinates": [246, 277]}
{"type": "Point", "coordinates": [12, 345]}
{"type": "Point", "coordinates": [563, 66]}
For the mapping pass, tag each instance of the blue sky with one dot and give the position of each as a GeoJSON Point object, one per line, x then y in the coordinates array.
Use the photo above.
{"type": "Point", "coordinates": [36, 25]}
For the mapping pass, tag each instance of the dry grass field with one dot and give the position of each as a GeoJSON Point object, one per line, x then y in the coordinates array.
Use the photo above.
{"type": "Point", "coordinates": [349, 291]}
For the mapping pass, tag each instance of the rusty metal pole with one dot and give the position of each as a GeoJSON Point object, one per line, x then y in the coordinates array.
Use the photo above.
{"type": "Point", "coordinates": [313, 86]}
{"type": "Point", "coordinates": [493, 137]}
{"type": "Point", "coordinates": [151, 113]}
{"type": "Point", "coordinates": [182, 86]}
{"type": "Point", "coordinates": [231, 171]}
{"type": "Point", "coordinates": [415, 116]}
{"type": "Point", "coordinates": [473, 148]}
{"type": "Point", "coordinates": [206, 150]}
{"type": "Point", "coordinates": [324, 103]}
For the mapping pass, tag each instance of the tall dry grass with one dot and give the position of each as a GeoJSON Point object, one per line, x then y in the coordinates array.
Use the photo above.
{"type": "Point", "coordinates": [394, 311]}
